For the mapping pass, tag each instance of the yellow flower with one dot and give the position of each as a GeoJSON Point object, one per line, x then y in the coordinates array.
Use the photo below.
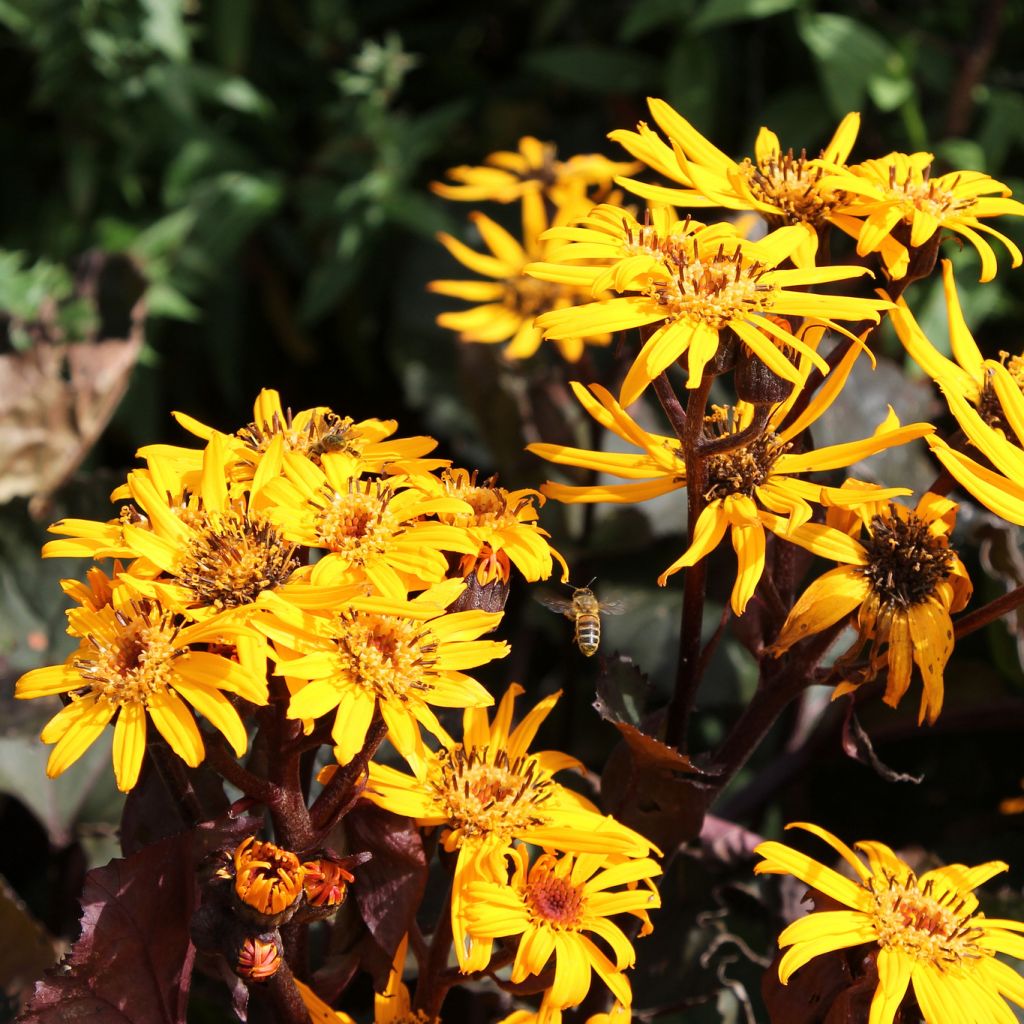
{"type": "Point", "coordinates": [488, 791]}
{"type": "Point", "coordinates": [996, 429]}
{"type": "Point", "coordinates": [211, 549]}
{"type": "Point", "coordinates": [375, 530]}
{"type": "Point", "coordinates": [754, 487]}
{"type": "Point", "coordinates": [511, 300]}
{"type": "Point", "coordinates": [689, 282]}
{"type": "Point", "coordinates": [533, 170]}
{"type": "Point", "coordinates": [137, 660]}
{"type": "Point", "coordinates": [905, 580]}
{"type": "Point", "coordinates": [971, 375]}
{"type": "Point", "coordinates": [551, 904]}
{"type": "Point", "coordinates": [504, 525]}
{"type": "Point", "coordinates": [256, 450]}
{"type": "Point", "coordinates": [897, 196]}
{"type": "Point", "coordinates": [780, 186]}
{"type": "Point", "coordinates": [927, 930]}
{"type": "Point", "coordinates": [401, 656]}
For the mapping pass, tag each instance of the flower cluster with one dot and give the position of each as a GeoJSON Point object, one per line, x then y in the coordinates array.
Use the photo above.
{"type": "Point", "coordinates": [493, 799]}
{"type": "Point", "coordinates": [713, 304]}
{"type": "Point", "coordinates": [212, 580]}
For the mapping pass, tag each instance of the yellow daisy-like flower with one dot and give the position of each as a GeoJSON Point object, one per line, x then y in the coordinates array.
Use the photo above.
{"type": "Point", "coordinates": [213, 552]}
{"type": "Point", "coordinates": [688, 283]}
{"type": "Point", "coordinates": [928, 931]}
{"type": "Point", "coordinates": [504, 524]}
{"type": "Point", "coordinates": [257, 449]}
{"type": "Point", "coordinates": [897, 195]}
{"type": "Point", "coordinates": [782, 187]}
{"type": "Point", "coordinates": [551, 905]}
{"type": "Point", "coordinates": [511, 301]}
{"type": "Point", "coordinates": [136, 661]}
{"type": "Point", "coordinates": [968, 375]}
{"type": "Point", "coordinates": [488, 791]}
{"type": "Point", "coordinates": [401, 656]}
{"type": "Point", "coordinates": [375, 530]}
{"type": "Point", "coordinates": [996, 429]}
{"type": "Point", "coordinates": [755, 487]}
{"type": "Point", "coordinates": [904, 580]}
{"type": "Point", "coordinates": [532, 170]}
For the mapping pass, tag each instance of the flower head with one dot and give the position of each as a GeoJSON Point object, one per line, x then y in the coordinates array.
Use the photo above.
{"type": "Point", "coordinates": [504, 523]}
{"type": "Point", "coordinates": [403, 657]}
{"type": "Point", "coordinates": [532, 170]}
{"type": "Point", "coordinates": [752, 487]}
{"type": "Point", "coordinates": [377, 531]}
{"type": "Point", "coordinates": [511, 300]}
{"type": "Point", "coordinates": [136, 660]}
{"type": "Point", "coordinates": [552, 904]}
{"type": "Point", "coordinates": [927, 930]}
{"type": "Point", "coordinates": [783, 186]}
{"type": "Point", "coordinates": [255, 451]}
{"type": "Point", "coordinates": [687, 283]}
{"type": "Point", "coordinates": [268, 879]}
{"type": "Point", "coordinates": [904, 581]}
{"type": "Point", "coordinates": [897, 197]}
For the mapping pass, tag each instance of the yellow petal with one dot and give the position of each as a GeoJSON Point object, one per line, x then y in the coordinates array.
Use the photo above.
{"type": "Point", "coordinates": [129, 745]}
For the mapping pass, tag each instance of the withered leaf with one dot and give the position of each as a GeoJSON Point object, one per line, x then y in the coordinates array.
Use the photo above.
{"type": "Point", "coordinates": [55, 399]}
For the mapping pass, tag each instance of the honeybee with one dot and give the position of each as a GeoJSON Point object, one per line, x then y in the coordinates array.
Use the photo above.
{"type": "Point", "coordinates": [584, 609]}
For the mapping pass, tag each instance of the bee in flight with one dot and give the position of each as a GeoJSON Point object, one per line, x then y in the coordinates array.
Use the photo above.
{"type": "Point", "coordinates": [584, 609]}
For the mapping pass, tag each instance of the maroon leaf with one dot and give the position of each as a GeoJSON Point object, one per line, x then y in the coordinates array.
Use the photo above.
{"type": "Point", "coordinates": [133, 961]}
{"type": "Point", "coordinates": [389, 888]}
{"type": "Point", "coordinates": [151, 811]}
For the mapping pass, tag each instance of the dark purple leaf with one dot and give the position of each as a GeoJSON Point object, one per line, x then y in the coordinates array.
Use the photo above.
{"type": "Point", "coordinates": [133, 961]}
{"type": "Point", "coordinates": [389, 888]}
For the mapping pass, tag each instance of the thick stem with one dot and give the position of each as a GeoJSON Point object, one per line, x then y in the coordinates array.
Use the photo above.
{"type": "Point", "coordinates": [695, 583]}
{"type": "Point", "coordinates": [671, 404]}
{"type": "Point", "coordinates": [435, 980]}
{"type": "Point", "coordinates": [224, 764]}
{"type": "Point", "coordinates": [781, 682]}
{"type": "Point", "coordinates": [987, 613]}
{"type": "Point", "coordinates": [293, 828]}
{"type": "Point", "coordinates": [347, 783]}
{"type": "Point", "coordinates": [288, 1005]}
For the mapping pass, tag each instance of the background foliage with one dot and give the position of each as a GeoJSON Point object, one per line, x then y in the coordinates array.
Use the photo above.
{"type": "Point", "coordinates": [257, 172]}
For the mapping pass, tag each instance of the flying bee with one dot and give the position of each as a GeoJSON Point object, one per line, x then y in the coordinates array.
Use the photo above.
{"type": "Point", "coordinates": [585, 611]}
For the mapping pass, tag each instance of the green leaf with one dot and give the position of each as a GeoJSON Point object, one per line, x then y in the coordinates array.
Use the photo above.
{"type": "Point", "coordinates": [163, 300]}
{"type": "Point", "coordinates": [165, 234]}
{"type": "Point", "coordinates": [724, 12]}
{"type": "Point", "coordinates": [962, 155]}
{"type": "Point", "coordinates": [598, 69]}
{"type": "Point", "coordinates": [691, 75]}
{"type": "Point", "coordinates": [848, 55]}
{"type": "Point", "coordinates": [163, 27]}
{"type": "Point", "coordinates": [647, 15]}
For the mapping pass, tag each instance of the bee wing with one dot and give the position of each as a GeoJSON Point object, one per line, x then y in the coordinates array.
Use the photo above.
{"type": "Point", "coordinates": [613, 607]}
{"type": "Point", "coordinates": [556, 604]}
